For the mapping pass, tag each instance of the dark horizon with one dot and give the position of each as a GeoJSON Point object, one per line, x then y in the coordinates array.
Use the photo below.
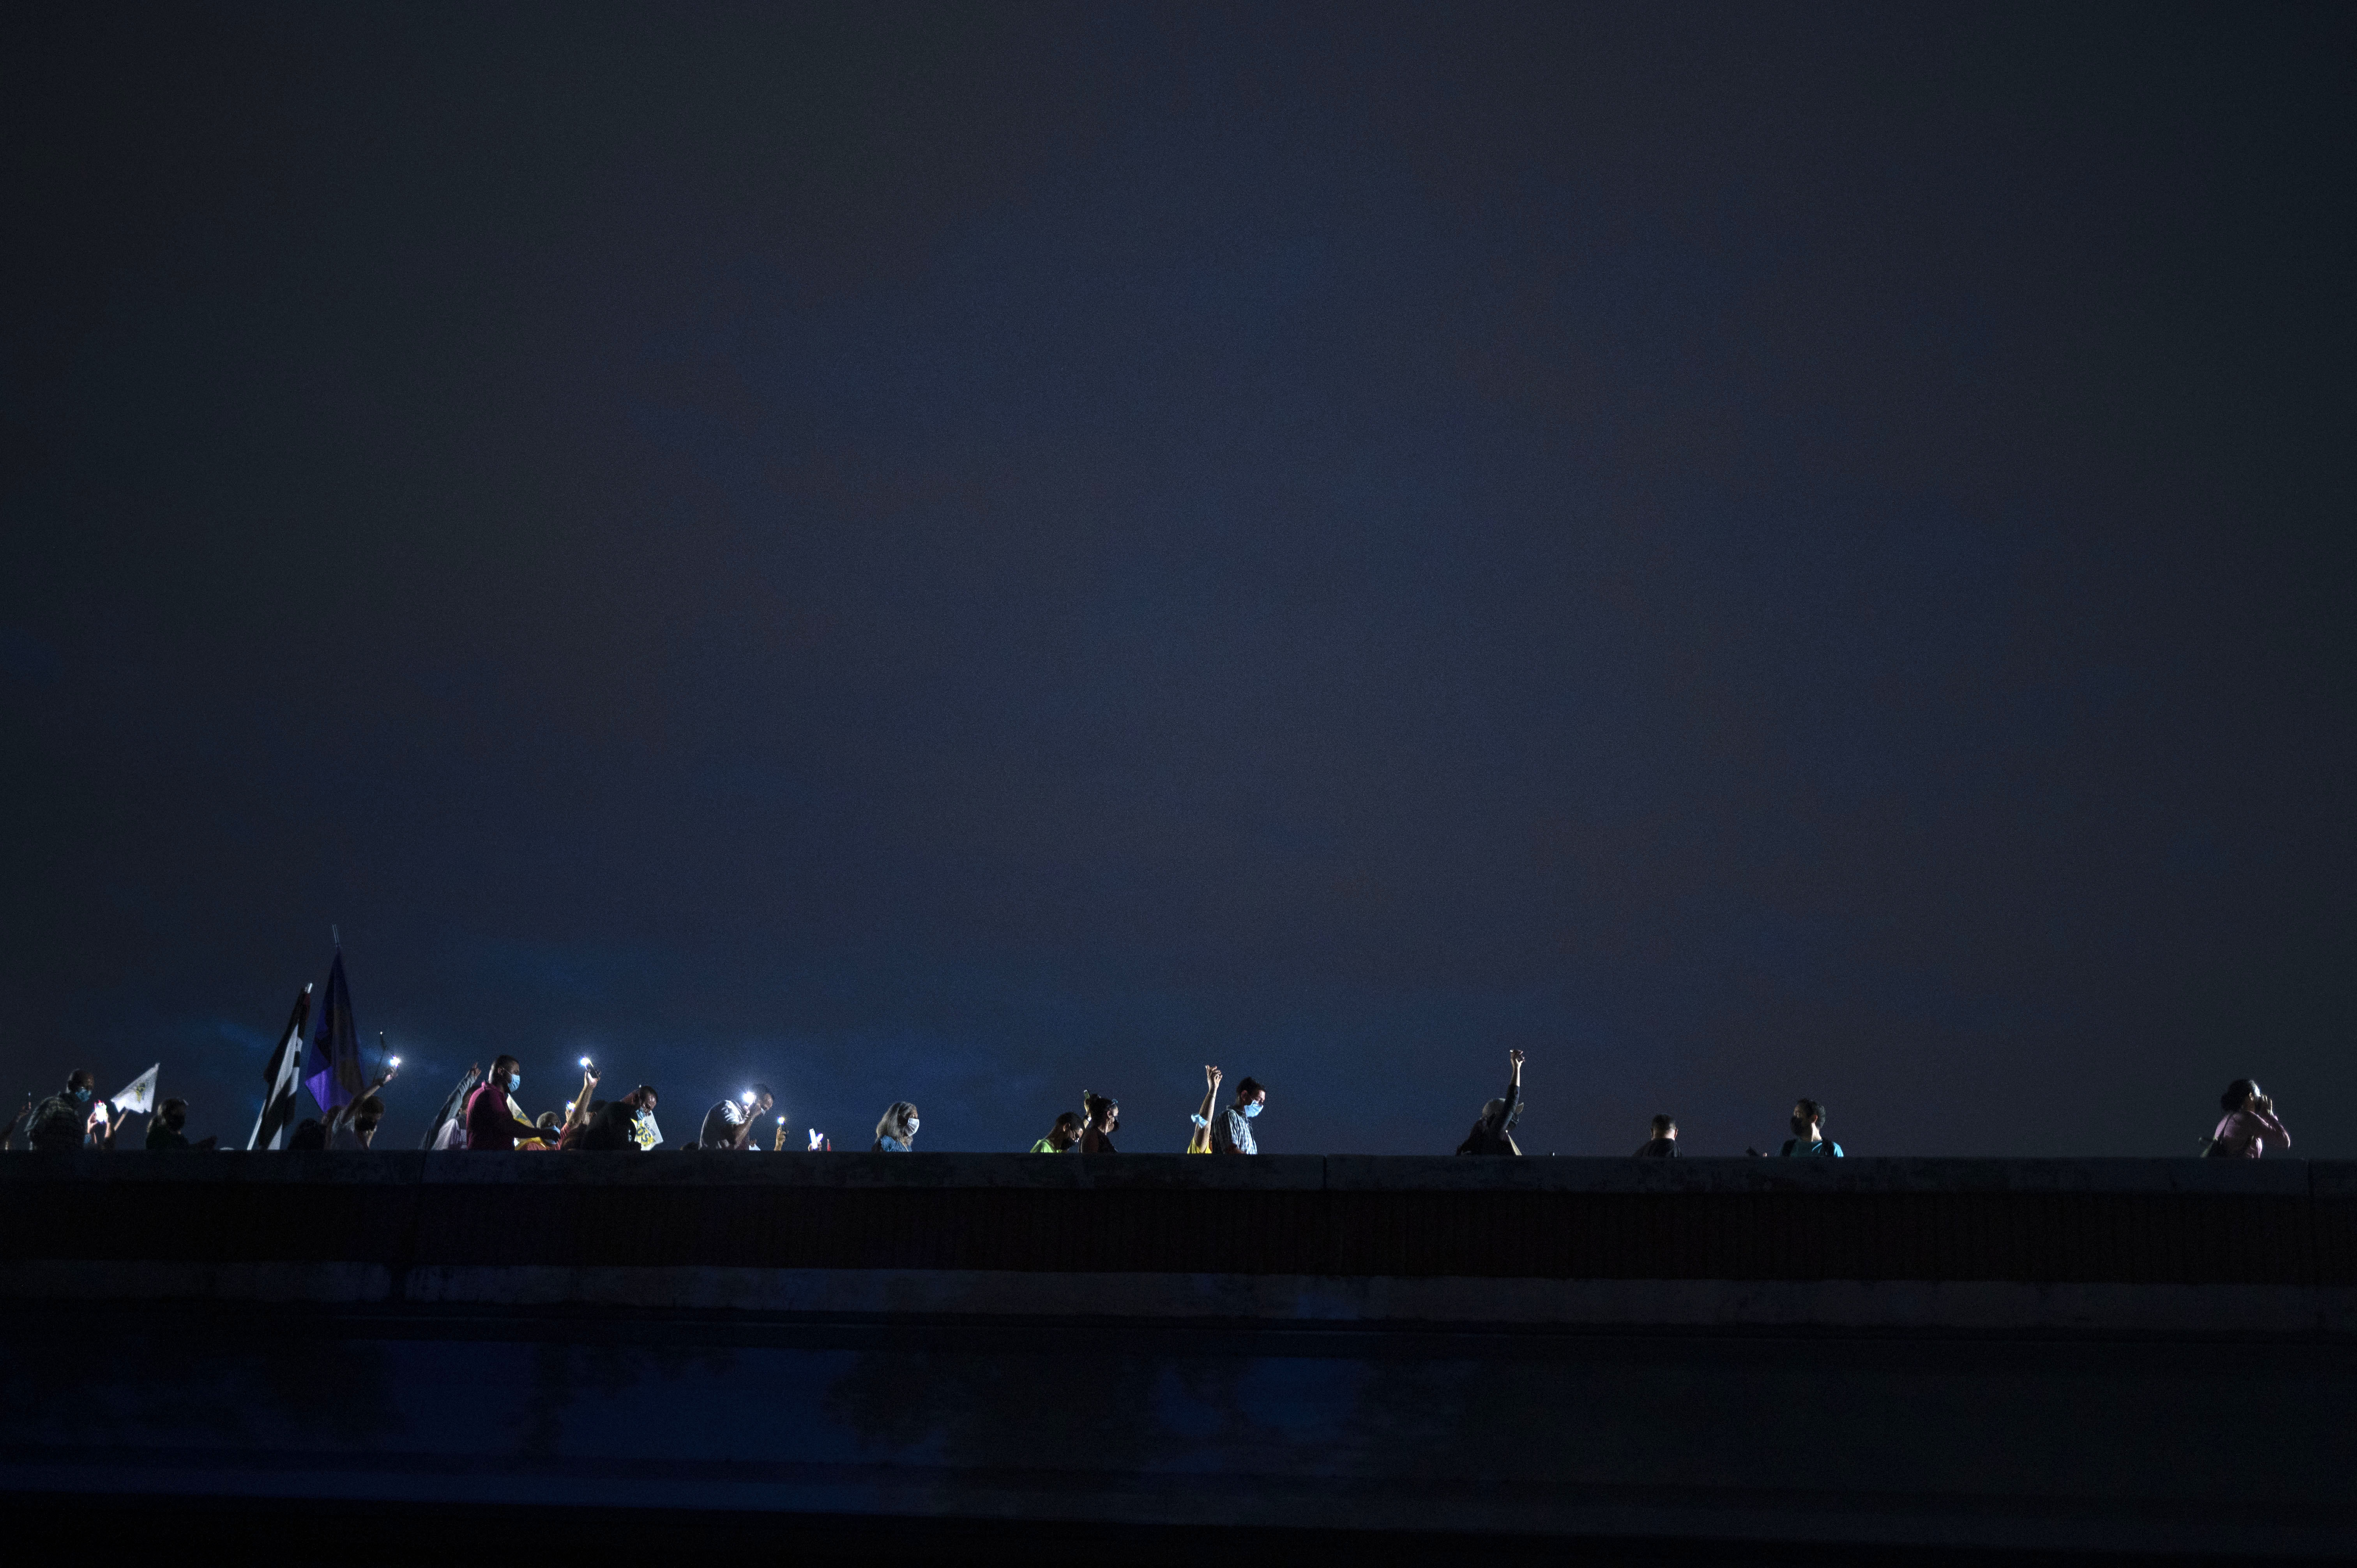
{"type": "Point", "coordinates": [966, 555]}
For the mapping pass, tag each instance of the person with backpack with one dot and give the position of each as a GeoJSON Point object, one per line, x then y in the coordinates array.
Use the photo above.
{"type": "Point", "coordinates": [1808, 1139]}
{"type": "Point", "coordinates": [1493, 1131]}
{"type": "Point", "coordinates": [2250, 1121]}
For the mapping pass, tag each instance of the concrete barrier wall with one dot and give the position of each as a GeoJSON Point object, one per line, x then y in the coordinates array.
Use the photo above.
{"type": "Point", "coordinates": [2290, 1223]}
{"type": "Point", "coordinates": [2078, 1356]}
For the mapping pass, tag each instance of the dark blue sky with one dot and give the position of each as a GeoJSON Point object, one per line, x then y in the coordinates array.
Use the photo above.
{"type": "Point", "coordinates": [965, 555]}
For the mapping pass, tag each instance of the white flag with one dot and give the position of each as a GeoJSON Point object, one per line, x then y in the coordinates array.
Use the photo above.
{"type": "Point", "coordinates": [141, 1095]}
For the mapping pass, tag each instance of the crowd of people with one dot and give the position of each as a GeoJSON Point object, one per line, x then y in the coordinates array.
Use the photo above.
{"type": "Point", "coordinates": [482, 1113]}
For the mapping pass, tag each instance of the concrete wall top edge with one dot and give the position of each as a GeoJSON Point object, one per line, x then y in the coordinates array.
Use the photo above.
{"type": "Point", "coordinates": [1338, 1173]}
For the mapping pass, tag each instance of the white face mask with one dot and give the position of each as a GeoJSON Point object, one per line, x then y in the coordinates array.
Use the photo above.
{"type": "Point", "coordinates": [912, 1126]}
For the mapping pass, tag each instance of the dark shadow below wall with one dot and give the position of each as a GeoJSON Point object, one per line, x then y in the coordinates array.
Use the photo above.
{"type": "Point", "coordinates": [365, 1535]}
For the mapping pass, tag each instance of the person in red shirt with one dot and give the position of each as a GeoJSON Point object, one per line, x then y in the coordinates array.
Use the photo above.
{"type": "Point", "coordinates": [491, 1119]}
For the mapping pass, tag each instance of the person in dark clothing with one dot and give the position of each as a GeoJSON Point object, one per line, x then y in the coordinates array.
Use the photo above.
{"type": "Point", "coordinates": [614, 1124]}
{"type": "Point", "coordinates": [1808, 1139]}
{"type": "Point", "coordinates": [1096, 1133]}
{"type": "Point", "coordinates": [492, 1121]}
{"type": "Point", "coordinates": [64, 1120]}
{"type": "Point", "coordinates": [169, 1129]}
{"type": "Point", "coordinates": [1663, 1143]}
{"type": "Point", "coordinates": [309, 1133]}
{"type": "Point", "coordinates": [25, 1114]}
{"type": "Point", "coordinates": [1494, 1133]}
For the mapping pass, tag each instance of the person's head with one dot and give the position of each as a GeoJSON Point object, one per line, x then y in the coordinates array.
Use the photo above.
{"type": "Point", "coordinates": [1808, 1118]}
{"type": "Point", "coordinates": [1251, 1097]}
{"type": "Point", "coordinates": [2239, 1095]}
{"type": "Point", "coordinates": [173, 1113]}
{"type": "Point", "coordinates": [762, 1099]}
{"type": "Point", "coordinates": [366, 1114]}
{"type": "Point", "coordinates": [1067, 1130]}
{"type": "Point", "coordinates": [1102, 1109]}
{"type": "Point", "coordinates": [1490, 1108]}
{"type": "Point", "coordinates": [79, 1083]}
{"type": "Point", "coordinates": [547, 1119]}
{"type": "Point", "coordinates": [507, 1072]}
{"type": "Point", "coordinates": [900, 1121]}
{"type": "Point", "coordinates": [1664, 1127]}
{"type": "Point", "coordinates": [641, 1099]}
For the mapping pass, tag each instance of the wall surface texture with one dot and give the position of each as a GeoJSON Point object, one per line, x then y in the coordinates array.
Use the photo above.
{"type": "Point", "coordinates": [2132, 1356]}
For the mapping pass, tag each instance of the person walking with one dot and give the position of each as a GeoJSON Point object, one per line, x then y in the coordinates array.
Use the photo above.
{"type": "Point", "coordinates": [1096, 1133]}
{"type": "Point", "coordinates": [1061, 1136]}
{"type": "Point", "coordinates": [1232, 1129]}
{"type": "Point", "coordinates": [2250, 1121]}
{"type": "Point", "coordinates": [1808, 1137]}
{"type": "Point", "coordinates": [1199, 1141]}
{"type": "Point", "coordinates": [170, 1129]}
{"type": "Point", "coordinates": [1663, 1143]}
{"type": "Point", "coordinates": [896, 1132]}
{"type": "Point", "coordinates": [65, 1119]}
{"type": "Point", "coordinates": [1493, 1131]}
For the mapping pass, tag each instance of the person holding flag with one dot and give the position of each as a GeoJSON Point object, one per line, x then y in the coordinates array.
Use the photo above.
{"type": "Point", "coordinates": [284, 1076]}
{"type": "Point", "coordinates": [335, 1078]}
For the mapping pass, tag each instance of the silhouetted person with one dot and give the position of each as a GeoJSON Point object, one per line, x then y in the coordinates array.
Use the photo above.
{"type": "Point", "coordinates": [65, 1119]}
{"type": "Point", "coordinates": [1061, 1136]}
{"type": "Point", "coordinates": [896, 1132]}
{"type": "Point", "coordinates": [309, 1133]}
{"type": "Point", "coordinates": [170, 1129]}
{"type": "Point", "coordinates": [1494, 1133]}
{"type": "Point", "coordinates": [1663, 1143]}
{"type": "Point", "coordinates": [1808, 1137]}
{"type": "Point", "coordinates": [2249, 1122]}
{"type": "Point", "coordinates": [16, 1124]}
{"type": "Point", "coordinates": [628, 1123]}
{"type": "Point", "coordinates": [492, 1119]}
{"type": "Point", "coordinates": [1232, 1129]}
{"type": "Point", "coordinates": [730, 1123]}
{"type": "Point", "coordinates": [1096, 1133]}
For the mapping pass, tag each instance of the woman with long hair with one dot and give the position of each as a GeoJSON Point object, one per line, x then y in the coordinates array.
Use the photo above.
{"type": "Point", "coordinates": [897, 1133]}
{"type": "Point", "coordinates": [1096, 1133]}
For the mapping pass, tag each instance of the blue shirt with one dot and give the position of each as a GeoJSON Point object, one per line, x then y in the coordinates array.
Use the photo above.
{"type": "Point", "coordinates": [1820, 1148]}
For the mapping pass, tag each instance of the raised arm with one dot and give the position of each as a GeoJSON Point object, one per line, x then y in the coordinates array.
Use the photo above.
{"type": "Point", "coordinates": [1210, 1096]}
{"type": "Point", "coordinates": [579, 1115]}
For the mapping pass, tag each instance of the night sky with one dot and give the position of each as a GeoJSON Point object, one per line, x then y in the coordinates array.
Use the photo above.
{"type": "Point", "coordinates": [965, 555]}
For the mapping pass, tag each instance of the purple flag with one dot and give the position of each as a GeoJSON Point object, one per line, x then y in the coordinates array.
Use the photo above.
{"type": "Point", "coordinates": [335, 1078]}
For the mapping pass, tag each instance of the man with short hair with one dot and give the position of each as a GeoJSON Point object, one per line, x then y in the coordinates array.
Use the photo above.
{"type": "Point", "coordinates": [1808, 1139]}
{"type": "Point", "coordinates": [494, 1120]}
{"type": "Point", "coordinates": [1232, 1129]}
{"type": "Point", "coordinates": [1663, 1143]}
{"type": "Point", "coordinates": [65, 1119]}
{"type": "Point", "coordinates": [729, 1124]}
{"type": "Point", "coordinates": [169, 1129]}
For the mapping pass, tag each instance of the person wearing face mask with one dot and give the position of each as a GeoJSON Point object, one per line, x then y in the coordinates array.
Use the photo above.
{"type": "Point", "coordinates": [1232, 1129]}
{"type": "Point", "coordinates": [170, 1129]}
{"type": "Point", "coordinates": [1808, 1137]}
{"type": "Point", "coordinates": [618, 1126]}
{"type": "Point", "coordinates": [494, 1120]}
{"type": "Point", "coordinates": [896, 1132]}
{"type": "Point", "coordinates": [1104, 1115]}
{"type": "Point", "coordinates": [65, 1119]}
